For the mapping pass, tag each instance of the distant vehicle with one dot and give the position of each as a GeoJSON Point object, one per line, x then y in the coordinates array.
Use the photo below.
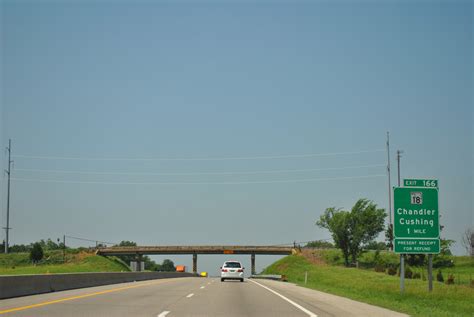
{"type": "Point", "coordinates": [180, 268]}
{"type": "Point", "coordinates": [232, 270]}
{"type": "Point", "coordinates": [203, 274]}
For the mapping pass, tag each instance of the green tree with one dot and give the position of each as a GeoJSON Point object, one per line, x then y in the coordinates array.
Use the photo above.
{"type": "Point", "coordinates": [36, 253]}
{"type": "Point", "coordinates": [150, 264]}
{"type": "Point", "coordinates": [49, 244]}
{"type": "Point", "coordinates": [127, 243]}
{"type": "Point", "coordinates": [416, 259]}
{"type": "Point", "coordinates": [445, 246]}
{"type": "Point", "coordinates": [352, 230]}
{"type": "Point", "coordinates": [127, 258]}
{"type": "Point", "coordinates": [444, 258]}
{"type": "Point", "coordinates": [374, 245]}
{"type": "Point", "coordinates": [337, 222]}
{"type": "Point", "coordinates": [20, 248]}
{"type": "Point", "coordinates": [167, 266]}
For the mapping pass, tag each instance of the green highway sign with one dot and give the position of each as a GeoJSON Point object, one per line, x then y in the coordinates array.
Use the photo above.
{"type": "Point", "coordinates": [416, 213]}
{"type": "Point", "coordinates": [416, 246]}
{"type": "Point", "coordinates": [432, 183]}
{"type": "Point", "coordinates": [416, 219]}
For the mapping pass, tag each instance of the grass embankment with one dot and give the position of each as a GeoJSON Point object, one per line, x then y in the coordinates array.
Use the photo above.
{"type": "Point", "coordinates": [379, 288]}
{"type": "Point", "coordinates": [462, 268]}
{"type": "Point", "coordinates": [19, 263]}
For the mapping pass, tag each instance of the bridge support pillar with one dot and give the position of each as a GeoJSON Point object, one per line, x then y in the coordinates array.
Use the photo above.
{"type": "Point", "coordinates": [252, 260]}
{"type": "Point", "coordinates": [195, 262]}
{"type": "Point", "coordinates": [138, 264]}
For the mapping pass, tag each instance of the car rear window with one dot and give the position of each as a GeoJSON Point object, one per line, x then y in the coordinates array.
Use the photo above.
{"type": "Point", "coordinates": [232, 264]}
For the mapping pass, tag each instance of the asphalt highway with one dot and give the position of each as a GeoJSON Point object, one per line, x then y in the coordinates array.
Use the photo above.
{"type": "Point", "coordinates": [190, 297]}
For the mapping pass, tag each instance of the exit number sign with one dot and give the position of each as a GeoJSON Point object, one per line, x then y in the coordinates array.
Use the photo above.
{"type": "Point", "coordinates": [431, 183]}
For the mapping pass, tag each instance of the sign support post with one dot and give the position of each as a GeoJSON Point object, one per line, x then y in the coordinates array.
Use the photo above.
{"type": "Point", "coordinates": [402, 273]}
{"type": "Point", "coordinates": [430, 272]}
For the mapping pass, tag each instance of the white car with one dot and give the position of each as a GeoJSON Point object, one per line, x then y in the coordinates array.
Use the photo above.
{"type": "Point", "coordinates": [232, 270]}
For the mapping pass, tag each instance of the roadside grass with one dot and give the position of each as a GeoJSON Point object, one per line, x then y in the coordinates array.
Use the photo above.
{"type": "Point", "coordinates": [19, 263]}
{"type": "Point", "coordinates": [462, 271]}
{"type": "Point", "coordinates": [379, 288]}
{"type": "Point", "coordinates": [14, 259]}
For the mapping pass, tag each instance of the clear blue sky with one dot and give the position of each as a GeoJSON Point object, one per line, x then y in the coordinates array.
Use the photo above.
{"type": "Point", "coordinates": [200, 79]}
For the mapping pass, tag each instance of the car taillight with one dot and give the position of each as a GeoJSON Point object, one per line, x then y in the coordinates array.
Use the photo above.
{"type": "Point", "coordinates": [224, 270]}
{"type": "Point", "coordinates": [240, 270]}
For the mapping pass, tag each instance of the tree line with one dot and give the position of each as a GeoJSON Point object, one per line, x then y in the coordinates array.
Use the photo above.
{"type": "Point", "coordinates": [38, 249]}
{"type": "Point", "coordinates": [46, 245]}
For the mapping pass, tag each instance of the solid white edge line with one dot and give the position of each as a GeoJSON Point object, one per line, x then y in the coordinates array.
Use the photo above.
{"type": "Point", "coordinates": [163, 314]}
{"type": "Point", "coordinates": [311, 314]}
{"type": "Point", "coordinates": [190, 295]}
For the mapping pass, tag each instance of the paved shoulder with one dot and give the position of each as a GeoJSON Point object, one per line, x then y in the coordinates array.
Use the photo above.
{"type": "Point", "coordinates": [324, 304]}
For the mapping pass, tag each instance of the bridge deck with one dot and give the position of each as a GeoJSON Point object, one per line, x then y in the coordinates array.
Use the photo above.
{"type": "Point", "coordinates": [228, 249]}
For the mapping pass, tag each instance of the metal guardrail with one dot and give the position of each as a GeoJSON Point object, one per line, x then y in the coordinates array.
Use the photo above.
{"type": "Point", "coordinates": [274, 277]}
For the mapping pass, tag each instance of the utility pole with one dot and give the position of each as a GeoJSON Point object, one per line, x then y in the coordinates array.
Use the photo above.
{"type": "Point", "coordinates": [389, 182]}
{"type": "Point", "coordinates": [402, 256]}
{"type": "Point", "coordinates": [7, 228]}
{"type": "Point", "coordinates": [390, 225]}
{"type": "Point", "coordinates": [399, 155]}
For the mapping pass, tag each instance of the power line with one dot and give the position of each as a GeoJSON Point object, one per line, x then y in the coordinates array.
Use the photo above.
{"type": "Point", "coordinates": [198, 173]}
{"type": "Point", "coordinates": [89, 240]}
{"type": "Point", "coordinates": [265, 157]}
{"type": "Point", "coordinates": [196, 183]}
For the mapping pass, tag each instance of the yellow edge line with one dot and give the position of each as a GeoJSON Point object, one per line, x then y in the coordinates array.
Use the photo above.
{"type": "Point", "coordinates": [77, 297]}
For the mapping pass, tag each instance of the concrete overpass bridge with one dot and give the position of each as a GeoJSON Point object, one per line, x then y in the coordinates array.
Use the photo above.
{"type": "Point", "coordinates": [139, 251]}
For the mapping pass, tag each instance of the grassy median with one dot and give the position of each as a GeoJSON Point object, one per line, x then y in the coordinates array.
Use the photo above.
{"type": "Point", "coordinates": [379, 288]}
